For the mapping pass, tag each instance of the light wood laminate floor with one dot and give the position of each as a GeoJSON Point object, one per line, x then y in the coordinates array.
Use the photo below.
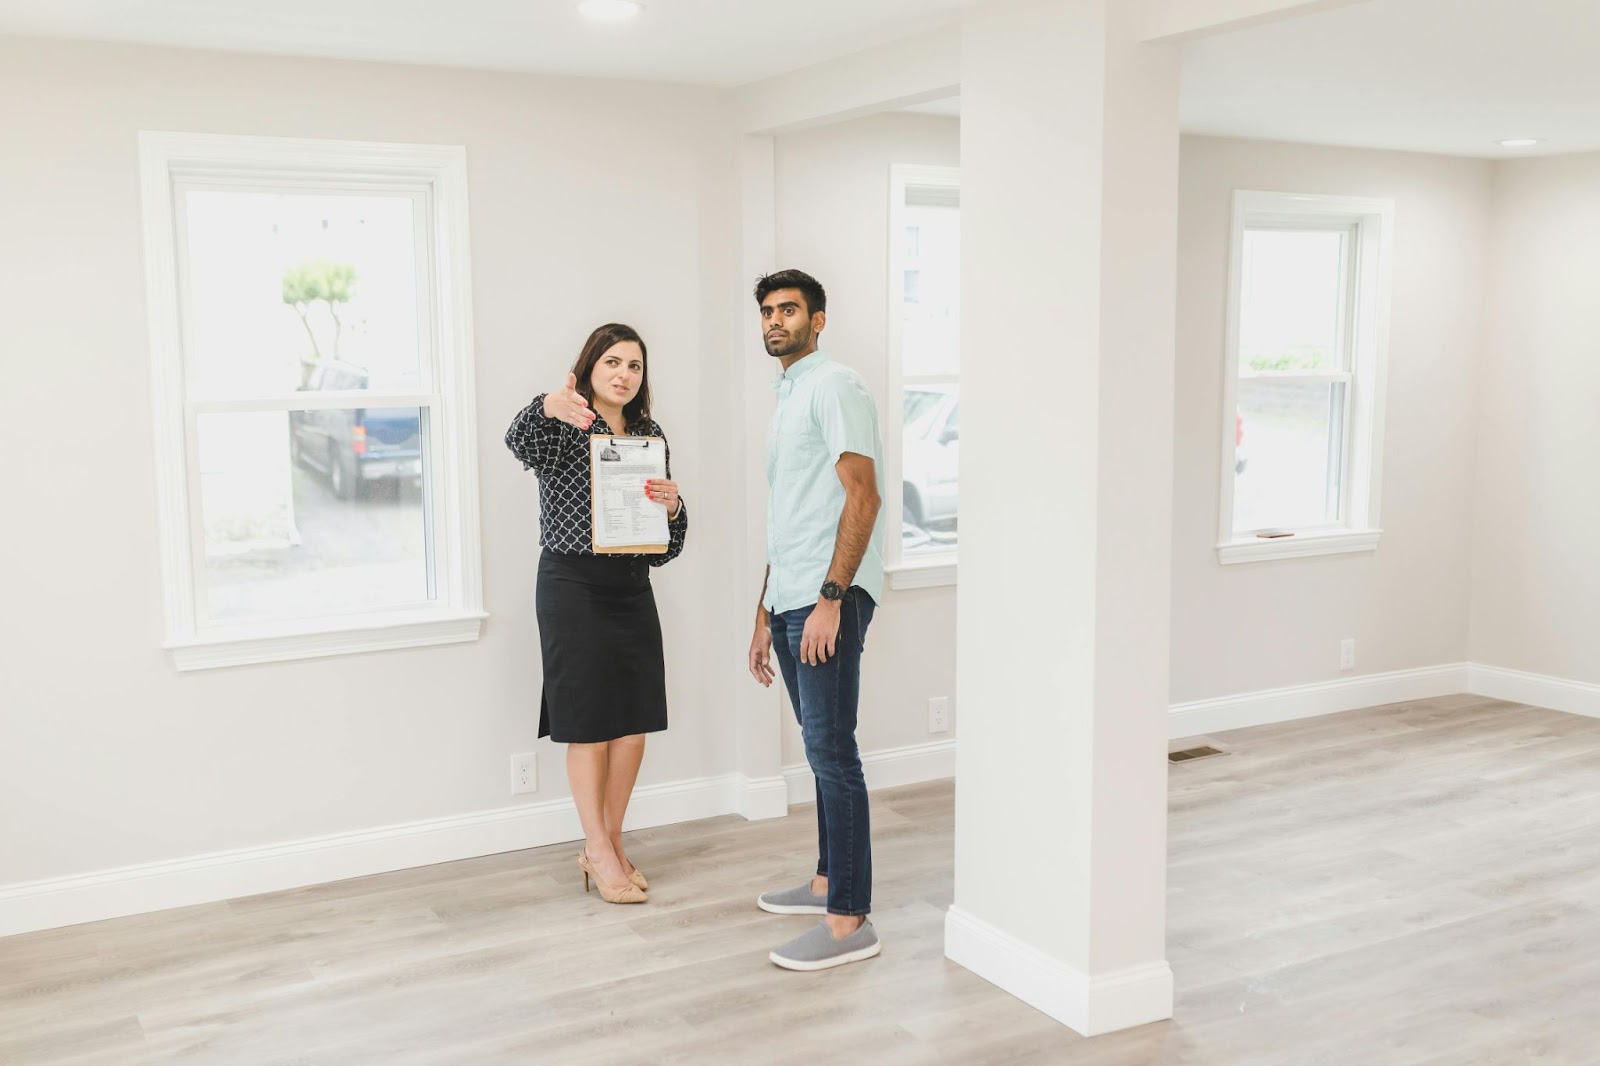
{"type": "Point", "coordinates": [1417, 885]}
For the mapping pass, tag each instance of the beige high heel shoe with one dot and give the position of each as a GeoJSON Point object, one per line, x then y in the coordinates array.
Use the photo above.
{"type": "Point", "coordinates": [638, 879]}
{"type": "Point", "coordinates": [629, 893]}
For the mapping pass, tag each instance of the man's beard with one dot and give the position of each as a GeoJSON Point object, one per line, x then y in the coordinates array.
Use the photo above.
{"type": "Point", "coordinates": [795, 344]}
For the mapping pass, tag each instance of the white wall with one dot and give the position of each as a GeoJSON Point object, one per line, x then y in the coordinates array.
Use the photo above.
{"type": "Point", "coordinates": [833, 222]}
{"type": "Point", "coordinates": [590, 201]}
{"type": "Point", "coordinates": [108, 757]}
{"type": "Point", "coordinates": [1536, 571]}
{"type": "Point", "coordinates": [1254, 626]}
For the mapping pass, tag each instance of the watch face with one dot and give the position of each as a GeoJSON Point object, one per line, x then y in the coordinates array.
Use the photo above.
{"type": "Point", "coordinates": [832, 591]}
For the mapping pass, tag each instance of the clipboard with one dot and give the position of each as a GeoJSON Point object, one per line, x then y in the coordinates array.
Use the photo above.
{"type": "Point", "coordinates": [601, 449]}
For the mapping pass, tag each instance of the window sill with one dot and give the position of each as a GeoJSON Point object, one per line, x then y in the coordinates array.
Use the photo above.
{"type": "Point", "coordinates": [923, 573]}
{"type": "Point", "coordinates": [1298, 546]}
{"type": "Point", "coordinates": [244, 645]}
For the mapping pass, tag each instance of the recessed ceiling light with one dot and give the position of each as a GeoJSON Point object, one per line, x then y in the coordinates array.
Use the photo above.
{"type": "Point", "coordinates": [1519, 142]}
{"type": "Point", "coordinates": [609, 10]}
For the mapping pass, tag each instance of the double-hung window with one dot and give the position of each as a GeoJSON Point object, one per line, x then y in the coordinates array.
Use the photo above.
{"type": "Point", "coordinates": [1303, 405]}
{"type": "Point", "coordinates": [312, 369]}
{"type": "Point", "coordinates": [924, 416]}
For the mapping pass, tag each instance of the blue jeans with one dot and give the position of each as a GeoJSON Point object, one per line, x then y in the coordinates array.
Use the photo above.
{"type": "Point", "coordinates": [825, 699]}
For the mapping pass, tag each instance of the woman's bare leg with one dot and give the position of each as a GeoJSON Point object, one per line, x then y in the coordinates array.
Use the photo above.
{"type": "Point", "coordinates": [587, 774]}
{"type": "Point", "coordinates": [623, 760]}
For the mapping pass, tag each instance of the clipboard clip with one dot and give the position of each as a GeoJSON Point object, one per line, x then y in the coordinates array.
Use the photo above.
{"type": "Point", "coordinates": [630, 442]}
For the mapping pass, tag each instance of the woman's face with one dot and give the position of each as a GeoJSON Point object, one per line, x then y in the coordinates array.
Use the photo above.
{"type": "Point", "coordinates": [618, 374]}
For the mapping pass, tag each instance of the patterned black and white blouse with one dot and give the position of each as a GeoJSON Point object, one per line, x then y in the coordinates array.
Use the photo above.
{"type": "Point", "coordinates": [559, 454]}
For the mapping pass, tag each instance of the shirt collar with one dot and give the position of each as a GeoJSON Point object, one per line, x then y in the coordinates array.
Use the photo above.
{"type": "Point", "coordinates": [789, 378]}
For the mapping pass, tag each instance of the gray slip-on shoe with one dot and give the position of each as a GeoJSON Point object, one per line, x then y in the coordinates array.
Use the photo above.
{"type": "Point", "coordinates": [799, 900]}
{"type": "Point", "coordinates": [818, 950]}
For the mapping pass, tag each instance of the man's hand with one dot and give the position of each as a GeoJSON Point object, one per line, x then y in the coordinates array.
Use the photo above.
{"type": "Point", "coordinates": [761, 653]}
{"type": "Point", "coordinates": [821, 637]}
{"type": "Point", "coordinates": [568, 405]}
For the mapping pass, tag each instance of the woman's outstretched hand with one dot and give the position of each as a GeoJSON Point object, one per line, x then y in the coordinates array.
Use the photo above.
{"type": "Point", "coordinates": [568, 405]}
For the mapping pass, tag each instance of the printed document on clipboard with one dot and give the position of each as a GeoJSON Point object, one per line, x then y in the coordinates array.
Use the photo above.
{"type": "Point", "coordinates": [626, 521]}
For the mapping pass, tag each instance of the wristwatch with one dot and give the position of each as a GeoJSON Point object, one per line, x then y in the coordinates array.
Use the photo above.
{"type": "Point", "coordinates": [832, 591]}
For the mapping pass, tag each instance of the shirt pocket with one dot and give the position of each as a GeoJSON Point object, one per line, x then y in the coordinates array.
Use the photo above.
{"type": "Point", "coordinates": [798, 451]}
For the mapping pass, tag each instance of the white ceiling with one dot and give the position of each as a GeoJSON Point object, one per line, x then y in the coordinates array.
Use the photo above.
{"type": "Point", "coordinates": [948, 105]}
{"type": "Point", "coordinates": [698, 42]}
{"type": "Point", "coordinates": [1445, 76]}
{"type": "Point", "coordinates": [1449, 76]}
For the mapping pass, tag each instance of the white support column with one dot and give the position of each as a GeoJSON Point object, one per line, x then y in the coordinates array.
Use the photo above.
{"type": "Point", "coordinates": [763, 793]}
{"type": "Point", "coordinates": [1069, 244]}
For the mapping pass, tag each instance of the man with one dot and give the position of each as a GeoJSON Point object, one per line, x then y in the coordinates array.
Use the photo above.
{"type": "Point", "coordinates": [824, 577]}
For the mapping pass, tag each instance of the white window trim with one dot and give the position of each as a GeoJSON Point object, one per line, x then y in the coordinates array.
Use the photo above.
{"type": "Point", "coordinates": [1360, 528]}
{"type": "Point", "coordinates": [1299, 545]}
{"type": "Point", "coordinates": [933, 569]}
{"type": "Point", "coordinates": [167, 159]}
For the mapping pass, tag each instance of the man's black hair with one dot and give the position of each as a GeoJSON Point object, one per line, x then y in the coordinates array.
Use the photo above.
{"type": "Point", "coordinates": [810, 288]}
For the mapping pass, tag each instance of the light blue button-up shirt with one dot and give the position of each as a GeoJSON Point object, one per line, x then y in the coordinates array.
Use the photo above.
{"type": "Point", "coordinates": [824, 410]}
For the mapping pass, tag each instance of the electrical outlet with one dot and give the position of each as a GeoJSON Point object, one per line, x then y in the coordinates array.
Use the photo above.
{"type": "Point", "coordinates": [524, 774]}
{"type": "Point", "coordinates": [939, 714]}
{"type": "Point", "coordinates": [1347, 654]}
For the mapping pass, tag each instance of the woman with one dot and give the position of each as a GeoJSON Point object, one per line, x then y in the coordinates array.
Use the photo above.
{"type": "Point", "coordinates": [604, 673]}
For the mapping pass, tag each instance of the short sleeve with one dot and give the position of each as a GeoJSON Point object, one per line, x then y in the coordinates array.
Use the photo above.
{"type": "Point", "coordinates": [846, 416]}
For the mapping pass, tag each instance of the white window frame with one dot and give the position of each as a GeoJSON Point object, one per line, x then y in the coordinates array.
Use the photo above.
{"type": "Point", "coordinates": [1366, 331]}
{"type": "Point", "coordinates": [434, 175]}
{"type": "Point", "coordinates": [930, 569]}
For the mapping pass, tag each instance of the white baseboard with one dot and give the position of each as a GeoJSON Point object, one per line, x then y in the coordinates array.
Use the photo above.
{"type": "Point", "coordinates": [1308, 701]}
{"type": "Point", "coordinates": [223, 875]}
{"type": "Point", "coordinates": [888, 768]}
{"type": "Point", "coordinates": [1090, 1005]}
{"type": "Point", "coordinates": [156, 886]}
{"type": "Point", "coordinates": [1537, 690]}
{"type": "Point", "coordinates": [763, 797]}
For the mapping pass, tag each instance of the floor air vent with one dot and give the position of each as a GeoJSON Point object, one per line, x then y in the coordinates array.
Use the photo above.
{"type": "Point", "coordinates": [1190, 754]}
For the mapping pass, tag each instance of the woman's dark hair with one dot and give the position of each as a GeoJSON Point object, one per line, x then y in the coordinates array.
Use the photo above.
{"type": "Point", "coordinates": [637, 412]}
{"type": "Point", "coordinates": [810, 288]}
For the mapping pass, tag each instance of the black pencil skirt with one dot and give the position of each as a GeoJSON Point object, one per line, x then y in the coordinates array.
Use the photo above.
{"type": "Point", "coordinates": [600, 635]}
